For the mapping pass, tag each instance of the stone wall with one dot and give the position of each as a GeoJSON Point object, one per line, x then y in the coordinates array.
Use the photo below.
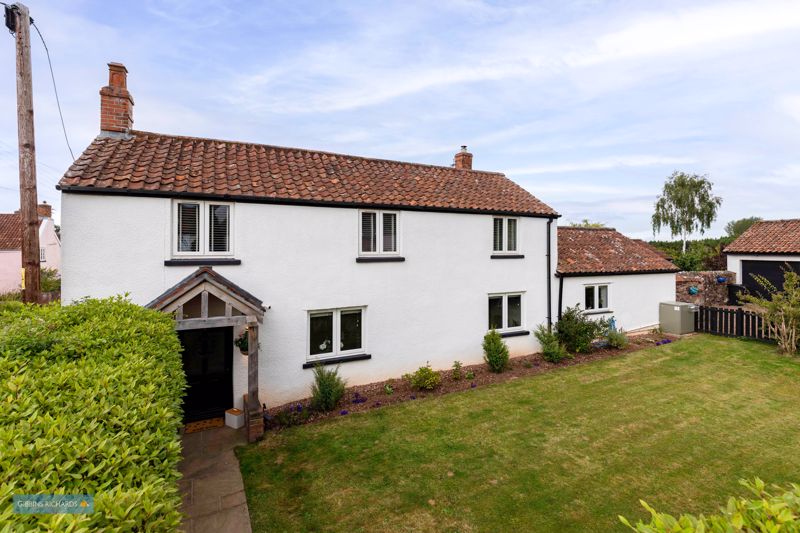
{"type": "Point", "coordinates": [709, 290]}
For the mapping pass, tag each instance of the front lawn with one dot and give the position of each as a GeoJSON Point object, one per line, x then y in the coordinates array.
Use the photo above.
{"type": "Point", "coordinates": [569, 450]}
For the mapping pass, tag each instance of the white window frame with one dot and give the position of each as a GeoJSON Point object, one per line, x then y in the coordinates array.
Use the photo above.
{"type": "Point", "coordinates": [204, 250]}
{"type": "Point", "coordinates": [504, 245]}
{"type": "Point", "coordinates": [505, 295]}
{"type": "Point", "coordinates": [42, 254]}
{"type": "Point", "coordinates": [595, 287]}
{"type": "Point", "coordinates": [337, 333]}
{"type": "Point", "coordinates": [378, 233]}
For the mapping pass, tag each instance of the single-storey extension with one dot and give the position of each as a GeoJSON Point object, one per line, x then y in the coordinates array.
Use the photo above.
{"type": "Point", "coordinates": [610, 275]}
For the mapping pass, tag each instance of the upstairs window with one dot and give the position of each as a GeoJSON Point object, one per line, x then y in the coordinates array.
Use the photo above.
{"type": "Point", "coordinates": [505, 311]}
{"type": "Point", "coordinates": [378, 232]}
{"type": "Point", "coordinates": [596, 297]}
{"type": "Point", "coordinates": [504, 237]}
{"type": "Point", "coordinates": [202, 228]}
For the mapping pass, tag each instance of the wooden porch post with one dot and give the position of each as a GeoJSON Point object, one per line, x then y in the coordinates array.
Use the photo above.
{"type": "Point", "coordinates": [255, 427]}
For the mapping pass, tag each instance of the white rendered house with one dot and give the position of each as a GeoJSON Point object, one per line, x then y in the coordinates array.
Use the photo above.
{"type": "Point", "coordinates": [610, 275]}
{"type": "Point", "coordinates": [378, 266]}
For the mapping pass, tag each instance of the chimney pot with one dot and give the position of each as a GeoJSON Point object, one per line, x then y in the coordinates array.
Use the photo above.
{"type": "Point", "coordinates": [116, 103]}
{"type": "Point", "coordinates": [463, 159]}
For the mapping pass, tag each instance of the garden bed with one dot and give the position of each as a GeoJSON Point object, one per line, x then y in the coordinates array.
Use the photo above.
{"type": "Point", "coordinates": [376, 395]}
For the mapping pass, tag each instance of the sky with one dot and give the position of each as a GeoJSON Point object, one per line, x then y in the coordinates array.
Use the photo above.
{"type": "Point", "coordinates": [589, 105]}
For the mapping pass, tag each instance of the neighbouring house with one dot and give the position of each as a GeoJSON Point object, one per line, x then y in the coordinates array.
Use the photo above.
{"type": "Point", "coordinates": [610, 275]}
{"type": "Point", "coordinates": [11, 246]}
{"type": "Point", "coordinates": [766, 249]}
{"type": "Point", "coordinates": [319, 258]}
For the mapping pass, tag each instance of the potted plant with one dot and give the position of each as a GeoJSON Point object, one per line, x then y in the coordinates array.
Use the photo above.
{"type": "Point", "coordinates": [242, 341]}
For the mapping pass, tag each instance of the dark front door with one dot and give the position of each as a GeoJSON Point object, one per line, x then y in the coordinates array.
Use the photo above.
{"type": "Point", "coordinates": [208, 363]}
{"type": "Point", "coordinates": [773, 271]}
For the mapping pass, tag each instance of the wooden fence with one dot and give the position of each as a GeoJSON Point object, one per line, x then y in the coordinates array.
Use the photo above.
{"type": "Point", "coordinates": [731, 322]}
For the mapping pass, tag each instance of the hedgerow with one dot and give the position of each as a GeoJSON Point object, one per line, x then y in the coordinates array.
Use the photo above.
{"type": "Point", "coordinates": [91, 404]}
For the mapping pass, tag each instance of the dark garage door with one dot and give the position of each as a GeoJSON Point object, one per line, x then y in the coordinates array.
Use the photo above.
{"type": "Point", "coordinates": [772, 270]}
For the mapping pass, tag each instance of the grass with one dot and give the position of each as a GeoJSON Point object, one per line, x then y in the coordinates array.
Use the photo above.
{"type": "Point", "coordinates": [568, 450]}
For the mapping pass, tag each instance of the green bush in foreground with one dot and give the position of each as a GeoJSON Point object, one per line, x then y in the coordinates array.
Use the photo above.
{"type": "Point", "coordinates": [552, 350]}
{"type": "Point", "coordinates": [327, 389]}
{"type": "Point", "coordinates": [91, 397]}
{"type": "Point", "coordinates": [425, 378]}
{"type": "Point", "coordinates": [495, 352]}
{"type": "Point", "coordinates": [764, 513]}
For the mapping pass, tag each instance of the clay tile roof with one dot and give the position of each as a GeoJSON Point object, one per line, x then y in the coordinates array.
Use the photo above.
{"type": "Point", "coordinates": [164, 164]}
{"type": "Point", "coordinates": [768, 237]}
{"type": "Point", "coordinates": [606, 251]}
{"type": "Point", "coordinates": [10, 231]}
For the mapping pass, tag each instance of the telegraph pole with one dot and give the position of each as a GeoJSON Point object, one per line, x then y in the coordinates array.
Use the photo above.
{"type": "Point", "coordinates": [27, 152]}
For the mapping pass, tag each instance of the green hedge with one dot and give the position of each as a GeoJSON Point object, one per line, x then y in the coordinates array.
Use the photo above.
{"type": "Point", "coordinates": [91, 403]}
{"type": "Point", "coordinates": [764, 512]}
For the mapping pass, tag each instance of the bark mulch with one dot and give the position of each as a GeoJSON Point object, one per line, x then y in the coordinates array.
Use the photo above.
{"type": "Point", "coordinates": [376, 395]}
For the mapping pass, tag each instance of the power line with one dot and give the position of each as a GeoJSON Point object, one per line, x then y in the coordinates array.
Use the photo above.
{"type": "Point", "coordinates": [55, 89]}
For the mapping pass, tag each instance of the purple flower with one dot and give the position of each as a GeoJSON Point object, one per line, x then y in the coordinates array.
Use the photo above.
{"type": "Point", "coordinates": [299, 408]}
{"type": "Point", "coordinates": [413, 397]}
{"type": "Point", "coordinates": [658, 343]}
{"type": "Point", "coordinates": [377, 404]}
{"type": "Point", "coordinates": [472, 385]}
{"type": "Point", "coordinates": [343, 412]}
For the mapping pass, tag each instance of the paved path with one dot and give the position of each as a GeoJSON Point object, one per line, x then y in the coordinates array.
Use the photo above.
{"type": "Point", "coordinates": [212, 488]}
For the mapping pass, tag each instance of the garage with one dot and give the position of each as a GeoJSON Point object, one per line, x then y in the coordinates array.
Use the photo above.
{"type": "Point", "coordinates": [767, 249]}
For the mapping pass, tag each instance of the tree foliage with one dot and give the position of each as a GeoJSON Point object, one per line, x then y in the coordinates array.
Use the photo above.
{"type": "Point", "coordinates": [781, 309]}
{"type": "Point", "coordinates": [686, 205]}
{"type": "Point", "coordinates": [586, 223]}
{"type": "Point", "coordinates": [734, 228]}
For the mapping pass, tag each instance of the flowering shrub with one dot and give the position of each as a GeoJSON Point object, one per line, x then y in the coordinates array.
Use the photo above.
{"type": "Point", "coordinates": [765, 512]}
{"type": "Point", "coordinates": [327, 389]}
{"type": "Point", "coordinates": [91, 405]}
{"type": "Point", "coordinates": [495, 352]}
{"type": "Point", "coordinates": [425, 378]}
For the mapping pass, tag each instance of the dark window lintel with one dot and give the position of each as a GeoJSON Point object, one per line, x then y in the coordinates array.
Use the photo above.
{"type": "Point", "coordinates": [507, 334]}
{"type": "Point", "coordinates": [380, 259]}
{"type": "Point", "coordinates": [203, 262]}
{"type": "Point", "coordinates": [508, 256]}
{"type": "Point", "coordinates": [337, 360]}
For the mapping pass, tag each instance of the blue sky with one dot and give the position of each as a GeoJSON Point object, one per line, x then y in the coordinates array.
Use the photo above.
{"type": "Point", "coordinates": [590, 105]}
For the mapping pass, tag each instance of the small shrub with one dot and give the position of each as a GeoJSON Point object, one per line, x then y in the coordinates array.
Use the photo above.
{"type": "Point", "coordinates": [470, 374]}
{"type": "Point", "coordinates": [425, 378]}
{"type": "Point", "coordinates": [552, 349]}
{"type": "Point", "coordinates": [495, 352]}
{"type": "Point", "coordinates": [327, 389]}
{"type": "Point", "coordinates": [457, 373]}
{"type": "Point", "coordinates": [294, 415]}
{"type": "Point", "coordinates": [764, 512]}
{"type": "Point", "coordinates": [617, 339]}
{"type": "Point", "coordinates": [576, 331]}
{"type": "Point", "coordinates": [388, 390]}
{"type": "Point", "coordinates": [527, 364]}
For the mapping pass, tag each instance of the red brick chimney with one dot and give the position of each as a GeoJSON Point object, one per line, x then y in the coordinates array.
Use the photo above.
{"type": "Point", "coordinates": [463, 159]}
{"type": "Point", "coordinates": [116, 103]}
{"type": "Point", "coordinates": [45, 210]}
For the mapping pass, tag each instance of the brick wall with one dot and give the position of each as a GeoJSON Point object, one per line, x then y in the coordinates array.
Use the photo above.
{"type": "Point", "coordinates": [709, 290]}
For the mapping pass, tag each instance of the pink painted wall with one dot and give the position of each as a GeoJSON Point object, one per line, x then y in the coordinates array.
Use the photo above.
{"type": "Point", "coordinates": [10, 264]}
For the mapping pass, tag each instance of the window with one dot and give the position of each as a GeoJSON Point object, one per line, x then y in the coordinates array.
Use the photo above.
{"type": "Point", "coordinates": [335, 332]}
{"type": "Point", "coordinates": [42, 255]}
{"type": "Point", "coordinates": [505, 311]}
{"type": "Point", "coordinates": [202, 228]}
{"type": "Point", "coordinates": [378, 232]}
{"type": "Point", "coordinates": [504, 237]}
{"type": "Point", "coordinates": [595, 297]}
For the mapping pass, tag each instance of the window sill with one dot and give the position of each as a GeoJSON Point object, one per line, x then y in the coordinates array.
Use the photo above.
{"type": "Point", "coordinates": [521, 333]}
{"type": "Point", "coordinates": [508, 256]}
{"type": "Point", "coordinates": [337, 360]}
{"type": "Point", "coordinates": [200, 261]}
{"type": "Point", "coordinates": [380, 259]}
{"type": "Point", "coordinates": [598, 312]}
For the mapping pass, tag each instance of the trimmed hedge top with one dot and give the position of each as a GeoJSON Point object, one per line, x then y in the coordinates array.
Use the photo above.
{"type": "Point", "coordinates": [91, 404]}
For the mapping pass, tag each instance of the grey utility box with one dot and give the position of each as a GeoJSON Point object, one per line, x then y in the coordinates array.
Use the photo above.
{"type": "Point", "coordinates": [677, 317]}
